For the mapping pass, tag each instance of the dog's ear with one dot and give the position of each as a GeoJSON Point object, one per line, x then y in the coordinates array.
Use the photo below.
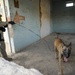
{"type": "Point", "coordinates": [70, 44]}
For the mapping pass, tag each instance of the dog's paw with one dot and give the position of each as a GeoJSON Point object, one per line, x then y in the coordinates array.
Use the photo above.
{"type": "Point", "coordinates": [56, 57]}
{"type": "Point", "coordinates": [60, 73]}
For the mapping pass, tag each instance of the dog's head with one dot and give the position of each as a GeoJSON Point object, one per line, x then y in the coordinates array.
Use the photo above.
{"type": "Point", "coordinates": [66, 52]}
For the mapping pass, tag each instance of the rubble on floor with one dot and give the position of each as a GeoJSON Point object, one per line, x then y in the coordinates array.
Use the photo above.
{"type": "Point", "coordinates": [11, 68]}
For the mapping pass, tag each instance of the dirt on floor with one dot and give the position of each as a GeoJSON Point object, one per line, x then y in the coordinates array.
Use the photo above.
{"type": "Point", "coordinates": [41, 56]}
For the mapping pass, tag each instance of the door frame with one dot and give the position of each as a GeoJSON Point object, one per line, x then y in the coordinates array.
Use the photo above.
{"type": "Point", "coordinates": [9, 42]}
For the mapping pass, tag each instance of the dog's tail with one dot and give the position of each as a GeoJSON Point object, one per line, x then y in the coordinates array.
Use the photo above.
{"type": "Point", "coordinates": [57, 35]}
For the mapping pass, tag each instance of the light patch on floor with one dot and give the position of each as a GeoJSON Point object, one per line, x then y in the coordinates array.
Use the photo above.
{"type": "Point", "coordinates": [10, 68]}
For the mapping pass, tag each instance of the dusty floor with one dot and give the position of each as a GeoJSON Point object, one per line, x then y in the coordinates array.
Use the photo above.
{"type": "Point", "coordinates": [41, 56]}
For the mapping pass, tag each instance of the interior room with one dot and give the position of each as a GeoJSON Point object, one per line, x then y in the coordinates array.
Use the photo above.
{"type": "Point", "coordinates": [30, 41]}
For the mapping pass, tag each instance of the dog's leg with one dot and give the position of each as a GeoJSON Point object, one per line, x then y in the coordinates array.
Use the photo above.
{"type": "Point", "coordinates": [56, 53]}
{"type": "Point", "coordinates": [60, 64]}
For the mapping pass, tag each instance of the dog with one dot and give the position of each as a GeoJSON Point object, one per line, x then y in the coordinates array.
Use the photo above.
{"type": "Point", "coordinates": [62, 52]}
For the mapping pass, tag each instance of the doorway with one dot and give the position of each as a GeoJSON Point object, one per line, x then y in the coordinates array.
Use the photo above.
{"type": "Point", "coordinates": [5, 14]}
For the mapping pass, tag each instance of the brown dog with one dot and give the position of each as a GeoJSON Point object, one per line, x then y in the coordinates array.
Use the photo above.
{"type": "Point", "coordinates": [62, 51]}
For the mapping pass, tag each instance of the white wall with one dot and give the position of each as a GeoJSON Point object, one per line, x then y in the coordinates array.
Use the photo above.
{"type": "Point", "coordinates": [45, 18]}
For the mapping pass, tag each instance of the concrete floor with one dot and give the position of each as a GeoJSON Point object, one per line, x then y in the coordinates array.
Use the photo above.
{"type": "Point", "coordinates": [40, 55]}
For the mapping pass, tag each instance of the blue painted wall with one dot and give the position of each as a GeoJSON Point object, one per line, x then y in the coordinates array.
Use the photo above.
{"type": "Point", "coordinates": [29, 31]}
{"type": "Point", "coordinates": [23, 35]}
{"type": "Point", "coordinates": [63, 18]}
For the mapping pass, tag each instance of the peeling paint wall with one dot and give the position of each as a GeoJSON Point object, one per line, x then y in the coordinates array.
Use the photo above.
{"type": "Point", "coordinates": [46, 25]}
{"type": "Point", "coordinates": [25, 33]}
{"type": "Point", "coordinates": [30, 30]}
{"type": "Point", "coordinates": [63, 17]}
